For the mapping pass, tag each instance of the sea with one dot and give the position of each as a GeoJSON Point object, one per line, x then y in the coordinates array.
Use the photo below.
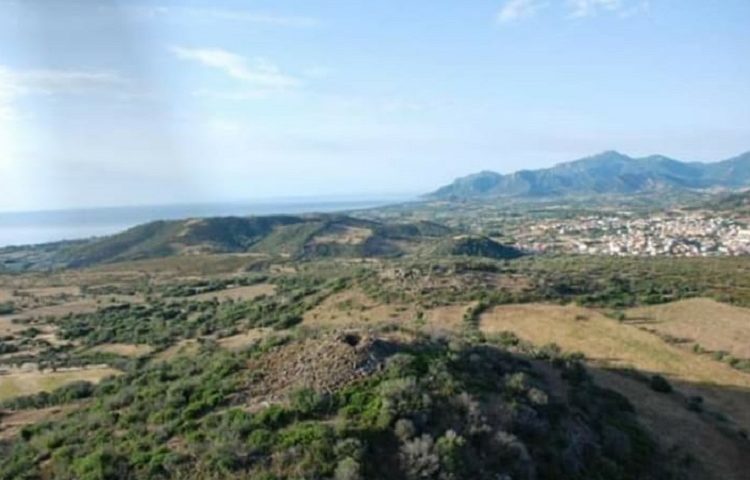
{"type": "Point", "coordinates": [29, 228]}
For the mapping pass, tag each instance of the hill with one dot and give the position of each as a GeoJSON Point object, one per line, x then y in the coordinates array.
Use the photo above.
{"type": "Point", "coordinates": [606, 173]}
{"type": "Point", "coordinates": [310, 236]}
{"type": "Point", "coordinates": [346, 406]}
{"type": "Point", "coordinates": [476, 246]}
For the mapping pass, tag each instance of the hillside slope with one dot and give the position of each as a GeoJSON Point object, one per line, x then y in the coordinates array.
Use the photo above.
{"type": "Point", "coordinates": [346, 406]}
{"type": "Point", "coordinates": [310, 236]}
{"type": "Point", "coordinates": [606, 173]}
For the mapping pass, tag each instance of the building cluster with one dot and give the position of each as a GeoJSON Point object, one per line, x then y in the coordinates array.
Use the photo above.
{"type": "Point", "coordinates": [676, 234]}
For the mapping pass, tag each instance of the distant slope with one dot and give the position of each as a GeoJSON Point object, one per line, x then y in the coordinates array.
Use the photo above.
{"type": "Point", "coordinates": [607, 173]}
{"type": "Point", "coordinates": [308, 236]}
{"type": "Point", "coordinates": [736, 202]}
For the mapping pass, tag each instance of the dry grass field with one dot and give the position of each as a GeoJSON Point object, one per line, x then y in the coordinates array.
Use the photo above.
{"type": "Point", "coordinates": [446, 318]}
{"type": "Point", "coordinates": [8, 327]}
{"type": "Point", "coordinates": [345, 235]}
{"type": "Point", "coordinates": [20, 382]}
{"type": "Point", "coordinates": [713, 325]}
{"type": "Point", "coordinates": [354, 307]}
{"type": "Point", "coordinates": [123, 349]}
{"type": "Point", "coordinates": [6, 295]}
{"type": "Point", "coordinates": [88, 305]}
{"type": "Point", "coordinates": [183, 347]}
{"type": "Point", "coordinates": [12, 423]}
{"type": "Point", "coordinates": [667, 419]}
{"type": "Point", "coordinates": [609, 344]}
{"type": "Point", "coordinates": [244, 340]}
{"type": "Point", "coordinates": [238, 293]}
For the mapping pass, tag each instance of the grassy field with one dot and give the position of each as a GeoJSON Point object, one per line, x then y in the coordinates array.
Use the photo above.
{"type": "Point", "coordinates": [123, 349]}
{"type": "Point", "coordinates": [238, 293]}
{"type": "Point", "coordinates": [713, 325]}
{"type": "Point", "coordinates": [605, 340]}
{"type": "Point", "coordinates": [352, 307]}
{"type": "Point", "coordinates": [25, 383]}
{"type": "Point", "coordinates": [245, 339]}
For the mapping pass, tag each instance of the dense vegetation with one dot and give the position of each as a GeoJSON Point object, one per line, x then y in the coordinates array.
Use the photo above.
{"type": "Point", "coordinates": [606, 282]}
{"type": "Point", "coordinates": [162, 322]}
{"type": "Point", "coordinates": [473, 246]}
{"type": "Point", "coordinates": [444, 411]}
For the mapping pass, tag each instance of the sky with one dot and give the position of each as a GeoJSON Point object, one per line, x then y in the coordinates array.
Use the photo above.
{"type": "Point", "coordinates": [106, 102]}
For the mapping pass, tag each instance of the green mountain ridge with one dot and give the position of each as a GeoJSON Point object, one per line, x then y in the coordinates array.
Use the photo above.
{"type": "Point", "coordinates": [606, 173]}
{"type": "Point", "coordinates": [299, 237]}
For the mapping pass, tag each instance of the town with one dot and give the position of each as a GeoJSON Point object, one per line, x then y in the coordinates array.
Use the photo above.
{"type": "Point", "coordinates": [676, 233]}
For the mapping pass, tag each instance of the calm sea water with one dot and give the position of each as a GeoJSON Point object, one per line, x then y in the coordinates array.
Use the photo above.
{"type": "Point", "coordinates": [26, 228]}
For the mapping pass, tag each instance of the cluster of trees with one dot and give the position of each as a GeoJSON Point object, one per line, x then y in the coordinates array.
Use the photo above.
{"type": "Point", "coordinates": [162, 322]}
{"type": "Point", "coordinates": [605, 282]}
{"type": "Point", "coordinates": [210, 285]}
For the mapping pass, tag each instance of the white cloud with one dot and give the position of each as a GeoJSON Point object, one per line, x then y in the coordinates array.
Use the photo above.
{"type": "Point", "coordinates": [517, 9]}
{"type": "Point", "coordinates": [258, 73]}
{"type": "Point", "coordinates": [17, 83]}
{"type": "Point", "coordinates": [60, 81]}
{"type": "Point", "coordinates": [223, 14]}
{"type": "Point", "coordinates": [586, 8]}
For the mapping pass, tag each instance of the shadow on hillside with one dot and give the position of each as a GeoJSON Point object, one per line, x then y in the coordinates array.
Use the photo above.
{"type": "Point", "coordinates": [695, 421]}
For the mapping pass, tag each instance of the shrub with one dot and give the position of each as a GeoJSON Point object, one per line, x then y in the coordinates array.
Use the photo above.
{"type": "Point", "coordinates": [449, 448]}
{"type": "Point", "coordinates": [660, 384]}
{"type": "Point", "coordinates": [695, 403]}
{"type": "Point", "coordinates": [306, 401]}
{"type": "Point", "coordinates": [348, 469]}
{"type": "Point", "coordinates": [7, 308]}
{"type": "Point", "coordinates": [404, 429]}
{"type": "Point", "coordinates": [419, 458]}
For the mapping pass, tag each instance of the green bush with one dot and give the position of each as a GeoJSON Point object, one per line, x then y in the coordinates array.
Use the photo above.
{"type": "Point", "coordinates": [7, 308]}
{"type": "Point", "coordinates": [660, 384]}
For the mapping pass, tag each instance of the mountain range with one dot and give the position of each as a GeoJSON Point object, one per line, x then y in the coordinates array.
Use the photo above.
{"type": "Point", "coordinates": [609, 172]}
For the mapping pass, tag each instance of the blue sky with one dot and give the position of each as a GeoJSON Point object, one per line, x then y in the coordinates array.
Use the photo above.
{"type": "Point", "coordinates": [142, 102]}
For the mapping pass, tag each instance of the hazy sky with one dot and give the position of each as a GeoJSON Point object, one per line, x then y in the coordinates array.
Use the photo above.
{"type": "Point", "coordinates": [136, 102]}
